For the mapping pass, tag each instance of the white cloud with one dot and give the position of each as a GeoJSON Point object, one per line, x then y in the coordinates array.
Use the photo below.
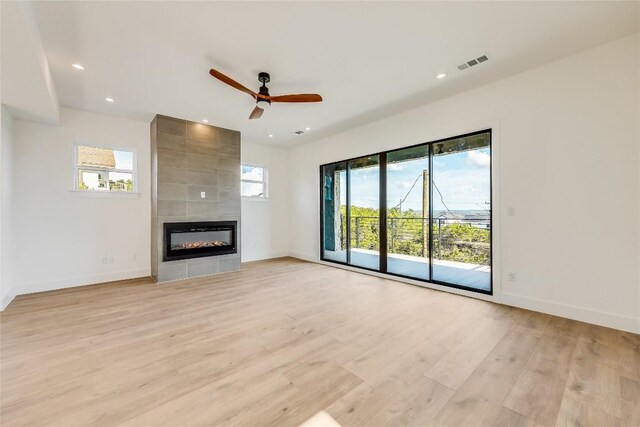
{"type": "Point", "coordinates": [463, 190]}
{"type": "Point", "coordinates": [395, 167]}
{"type": "Point", "coordinates": [254, 174]}
{"type": "Point", "coordinates": [478, 158]}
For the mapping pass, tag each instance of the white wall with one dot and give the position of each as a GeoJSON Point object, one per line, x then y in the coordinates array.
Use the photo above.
{"type": "Point", "coordinates": [61, 236]}
{"type": "Point", "coordinates": [265, 223]}
{"type": "Point", "coordinates": [6, 200]}
{"type": "Point", "coordinates": [566, 148]}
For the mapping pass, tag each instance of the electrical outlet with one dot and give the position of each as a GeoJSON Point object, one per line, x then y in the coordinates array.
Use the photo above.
{"type": "Point", "coordinates": [511, 211]}
{"type": "Point", "coordinates": [134, 257]}
{"type": "Point", "coordinates": [203, 194]}
{"type": "Point", "coordinates": [512, 277]}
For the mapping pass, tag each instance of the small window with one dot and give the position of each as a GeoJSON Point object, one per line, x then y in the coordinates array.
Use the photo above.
{"type": "Point", "coordinates": [104, 169]}
{"type": "Point", "coordinates": [254, 181]}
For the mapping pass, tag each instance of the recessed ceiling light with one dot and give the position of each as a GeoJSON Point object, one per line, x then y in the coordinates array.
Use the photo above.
{"type": "Point", "coordinates": [205, 121]}
{"type": "Point", "coordinates": [77, 66]}
{"type": "Point", "coordinates": [441, 76]}
{"type": "Point", "coordinates": [109, 99]}
{"type": "Point", "coordinates": [307, 128]}
{"type": "Point", "coordinates": [270, 135]}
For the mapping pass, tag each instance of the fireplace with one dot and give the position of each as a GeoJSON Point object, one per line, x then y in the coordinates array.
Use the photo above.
{"type": "Point", "coordinates": [184, 240]}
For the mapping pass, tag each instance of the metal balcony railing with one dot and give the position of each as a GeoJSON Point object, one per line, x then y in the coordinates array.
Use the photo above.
{"type": "Point", "coordinates": [454, 239]}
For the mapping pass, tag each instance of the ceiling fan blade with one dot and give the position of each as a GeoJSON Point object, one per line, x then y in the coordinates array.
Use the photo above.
{"type": "Point", "coordinates": [228, 80]}
{"type": "Point", "coordinates": [303, 97]}
{"type": "Point", "coordinates": [256, 113]}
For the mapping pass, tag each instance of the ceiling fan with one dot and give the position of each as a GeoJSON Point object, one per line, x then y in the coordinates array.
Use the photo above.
{"type": "Point", "coordinates": [263, 99]}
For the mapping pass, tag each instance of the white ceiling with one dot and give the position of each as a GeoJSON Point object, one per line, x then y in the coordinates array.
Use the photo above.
{"type": "Point", "coordinates": [27, 86]}
{"type": "Point", "coordinates": [367, 60]}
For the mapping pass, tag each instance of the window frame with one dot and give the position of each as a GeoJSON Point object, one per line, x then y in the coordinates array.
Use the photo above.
{"type": "Point", "coordinates": [382, 270]}
{"type": "Point", "coordinates": [108, 193]}
{"type": "Point", "coordinates": [264, 182]}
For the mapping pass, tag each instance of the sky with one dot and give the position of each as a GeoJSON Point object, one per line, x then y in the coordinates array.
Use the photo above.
{"type": "Point", "coordinates": [124, 160]}
{"type": "Point", "coordinates": [253, 173]}
{"type": "Point", "coordinates": [462, 178]}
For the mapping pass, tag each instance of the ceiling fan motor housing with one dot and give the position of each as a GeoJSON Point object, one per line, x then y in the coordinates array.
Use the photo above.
{"type": "Point", "coordinates": [264, 90]}
{"type": "Point", "coordinates": [264, 77]}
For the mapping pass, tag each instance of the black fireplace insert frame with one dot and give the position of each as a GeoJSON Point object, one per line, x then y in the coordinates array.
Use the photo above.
{"type": "Point", "coordinates": [186, 227]}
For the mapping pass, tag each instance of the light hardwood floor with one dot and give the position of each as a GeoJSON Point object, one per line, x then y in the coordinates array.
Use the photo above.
{"type": "Point", "coordinates": [283, 340]}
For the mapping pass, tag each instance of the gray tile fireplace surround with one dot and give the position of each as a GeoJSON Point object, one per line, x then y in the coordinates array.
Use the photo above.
{"type": "Point", "coordinates": [188, 158]}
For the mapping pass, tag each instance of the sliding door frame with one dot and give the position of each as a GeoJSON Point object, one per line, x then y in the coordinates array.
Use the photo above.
{"type": "Point", "coordinates": [382, 228]}
{"type": "Point", "coordinates": [382, 155]}
{"type": "Point", "coordinates": [347, 215]}
{"type": "Point", "coordinates": [430, 213]}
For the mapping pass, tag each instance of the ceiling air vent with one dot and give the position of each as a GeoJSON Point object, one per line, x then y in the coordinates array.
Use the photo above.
{"type": "Point", "coordinates": [299, 132]}
{"type": "Point", "coordinates": [473, 62]}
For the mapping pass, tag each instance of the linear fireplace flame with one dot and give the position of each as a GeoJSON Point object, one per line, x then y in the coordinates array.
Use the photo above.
{"type": "Point", "coordinates": [198, 244]}
{"type": "Point", "coordinates": [183, 240]}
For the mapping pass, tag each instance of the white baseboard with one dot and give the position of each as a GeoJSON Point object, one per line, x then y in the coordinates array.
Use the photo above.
{"type": "Point", "coordinates": [587, 315]}
{"type": "Point", "coordinates": [269, 255]}
{"type": "Point", "coordinates": [601, 318]}
{"type": "Point", "coordinates": [6, 299]}
{"type": "Point", "coordinates": [299, 255]}
{"type": "Point", "coordinates": [82, 281]}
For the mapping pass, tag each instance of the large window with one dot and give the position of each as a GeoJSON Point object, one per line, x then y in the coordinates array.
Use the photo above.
{"type": "Point", "coordinates": [104, 169]}
{"type": "Point", "coordinates": [421, 212]}
{"type": "Point", "coordinates": [253, 181]}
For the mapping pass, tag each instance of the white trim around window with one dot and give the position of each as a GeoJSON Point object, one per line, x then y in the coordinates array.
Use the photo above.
{"type": "Point", "coordinates": [105, 193]}
{"type": "Point", "coordinates": [264, 182]}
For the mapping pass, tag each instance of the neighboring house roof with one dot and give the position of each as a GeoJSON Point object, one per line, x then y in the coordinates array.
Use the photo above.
{"type": "Point", "coordinates": [478, 215]}
{"type": "Point", "coordinates": [96, 157]}
{"type": "Point", "coordinates": [447, 215]}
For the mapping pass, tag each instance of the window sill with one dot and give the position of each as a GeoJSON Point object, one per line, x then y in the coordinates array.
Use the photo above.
{"type": "Point", "coordinates": [255, 199]}
{"type": "Point", "coordinates": [107, 194]}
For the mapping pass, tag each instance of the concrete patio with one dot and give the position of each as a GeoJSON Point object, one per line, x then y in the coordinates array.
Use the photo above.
{"type": "Point", "coordinates": [458, 273]}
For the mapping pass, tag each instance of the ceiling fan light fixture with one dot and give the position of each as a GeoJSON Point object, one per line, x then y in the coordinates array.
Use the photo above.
{"type": "Point", "coordinates": [264, 104]}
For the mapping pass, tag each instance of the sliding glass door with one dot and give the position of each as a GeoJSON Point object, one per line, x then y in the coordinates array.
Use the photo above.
{"type": "Point", "coordinates": [364, 210]}
{"type": "Point", "coordinates": [421, 212]}
{"type": "Point", "coordinates": [462, 212]}
{"type": "Point", "coordinates": [408, 212]}
{"type": "Point", "coordinates": [334, 208]}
